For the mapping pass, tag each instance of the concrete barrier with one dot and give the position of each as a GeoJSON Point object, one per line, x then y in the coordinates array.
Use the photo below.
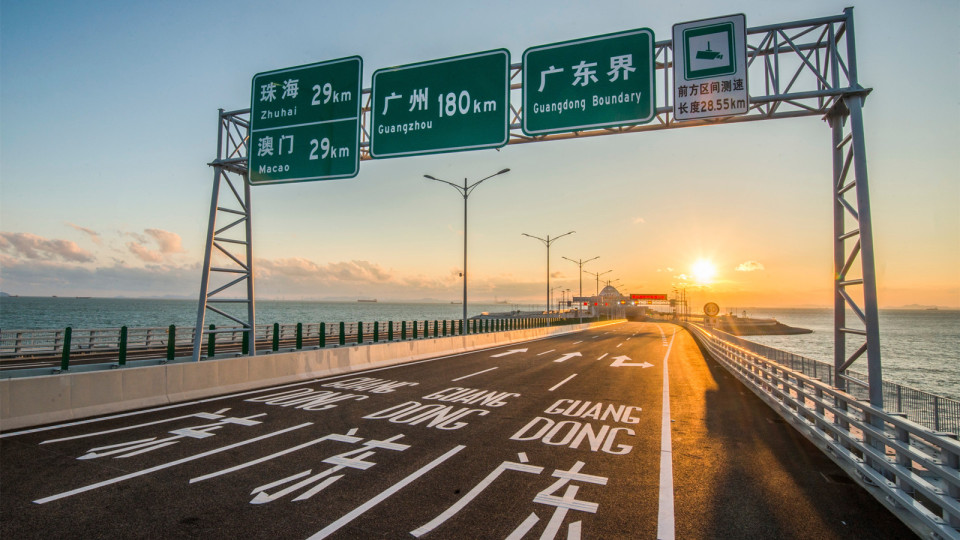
{"type": "Point", "coordinates": [33, 401]}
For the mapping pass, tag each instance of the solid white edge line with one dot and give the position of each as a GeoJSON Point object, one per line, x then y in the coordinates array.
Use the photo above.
{"type": "Point", "coordinates": [356, 512]}
{"type": "Point", "coordinates": [665, 513]}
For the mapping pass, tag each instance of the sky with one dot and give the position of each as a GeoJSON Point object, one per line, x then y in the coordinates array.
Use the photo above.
{"type": "Point", "coordinates": [108, 117]}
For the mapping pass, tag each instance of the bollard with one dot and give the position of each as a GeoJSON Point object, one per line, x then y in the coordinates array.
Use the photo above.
{"type": "Point", "coordinates": [171, 342]}
{"type": "Point", "coordinates": [276, 337]}
{"type": "Point", "coordinates": [343, 335]}
{"type": "Point", "coordinates": [211, 342]}
{"type": "Point", "coordinates": [389, 330]}
{"type": "Point", "coordinates": [461, 327]}
{"type": "Point", "coordinates": [65, 357]}
{"type": "Point", "coordinates": [359, 333]}
{"type": "Point", "coordinates": [436, 326]}
{"type": "Point", "coordinates": [245, 347]}
{"type": "Point", "coordinates": [299, 336]}
{"type": "Point", "coordinates": [403, 330]}
{"type": "Point", "coordinates": [444, 327]}
{"type": "Point", "coordinates": [323, 335]}
{"type": "Point", "coordinates": [414, 329]}
{"type": "Point", "coordinates": [376, 331]}
{"type": "Point", "coordinates": [122, 358]}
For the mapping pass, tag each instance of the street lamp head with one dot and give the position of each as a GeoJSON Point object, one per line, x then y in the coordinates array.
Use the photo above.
{"type": "Point", "coordinates": [504, 171]}
{"type": "Point", "coordinates": [430, 177]}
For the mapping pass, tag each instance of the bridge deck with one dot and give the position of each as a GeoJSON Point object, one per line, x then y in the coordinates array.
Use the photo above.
{"type": "Point", "coordinates": [560, 437]}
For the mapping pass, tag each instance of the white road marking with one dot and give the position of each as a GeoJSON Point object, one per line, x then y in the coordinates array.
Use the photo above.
{"type": "Point", "coordinates": [473, 493]}
{"type": "Point", "coordinates": [166, 465]}
{"type": "Point", "coordinates": [524, 527]}
{"type": "Point", "coordinates": [620, 361]}
{"type": "Point", "coordinates": [604, 356]}
{"type": "Point", "coordinates": [567, 356]}
{"type": "Point", "coordinates": [575, 342]}
{"type": "Point", "coordinates": [545, 352]}
{"type": "Point", "coordinates": [665, 515]}
{"type": "Point", "coordinates": [348, 438]}
{"type": "Point", "coordinates": [618, 345]}
{"type": "Point", "coordinates": [561, 383]}
{"type": "Point", "coordinates": [353, 514]}
{"type": "Point", "coordinates": [472, 374]}
{"type": "Point", "coordinates": [508, 353]}
{"type": "Point", "coordinates": [206, 416]}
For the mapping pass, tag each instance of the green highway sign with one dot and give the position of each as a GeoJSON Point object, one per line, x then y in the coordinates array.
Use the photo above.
{"type": "Point", "coordinates": [446, 105]}
{"type": "Point", "coordinates": [591, 83]}
{"type": "Point", "coordinates": [305, 123]}
{"type": "Point", "coordinates": [710, 68]}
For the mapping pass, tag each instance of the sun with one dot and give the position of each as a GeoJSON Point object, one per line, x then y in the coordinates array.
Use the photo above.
{"type": "Point", "coordinates": [703, 271]}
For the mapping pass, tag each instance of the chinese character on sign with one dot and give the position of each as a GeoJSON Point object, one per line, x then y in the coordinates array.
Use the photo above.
{"type": "Point", "coordinates": [386, 100]}
{"type": "Point", "coordinates": [265, 146]}
{"type": "Point", "coordinates": [290, 88]}
{"type": "Point", "coordinates": [268, 92]}
{"type": "Point", "coordinates": [544, 73]}
{"type": "Point", "coordinates": [738, 84]}
{"type": "Point", "coordinates": [682, 91]}
{"type": "Point", "coordinates": [288, 138]}
{"type": "Point", "coordinates": [583, 74]}
{"type": "Point", "coordinates": [418, 99]}
{"type": "Point", "coordinates": [726, 86]}
{"type": "Point", "coordinates": [621, 63]}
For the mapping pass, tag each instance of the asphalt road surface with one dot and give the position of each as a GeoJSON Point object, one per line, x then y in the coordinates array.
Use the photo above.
{"type": "Point", "coordinates": [622, 431]}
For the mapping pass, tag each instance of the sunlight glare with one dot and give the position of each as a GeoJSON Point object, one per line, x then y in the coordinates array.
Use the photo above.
{"type": "Point", "coordinates": [703, 271]}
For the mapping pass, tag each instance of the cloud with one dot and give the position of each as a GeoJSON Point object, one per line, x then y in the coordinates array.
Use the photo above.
{"type": "Point", "coordinates": [300, 269]}
{"type": "Point", "coordinates": [94, 235]}
{"type": "Point", "coordinates": [33, 247]}
{"type": "Point", "coordinates": [144, 254]}
{"type": "Point", "coordinates": [169, 242]}
{"type": "Point", "coordinates": [638, 220]}
{"type": "Point", "coordinates": [750, 266]}
{"type": "Point", "coordinates": [44, 277]}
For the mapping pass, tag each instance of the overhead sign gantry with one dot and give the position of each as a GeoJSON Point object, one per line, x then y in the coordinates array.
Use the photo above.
{"type": "Point", "coordinates": [800, 68]}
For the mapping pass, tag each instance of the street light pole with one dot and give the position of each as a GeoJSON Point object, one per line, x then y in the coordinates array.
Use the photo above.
{"type": "Point", "coordinates": [465, 192]}
{"type": "Point", "coordinates": [580, 263]}
{"type": "Point", "coordinates": [547, 243]}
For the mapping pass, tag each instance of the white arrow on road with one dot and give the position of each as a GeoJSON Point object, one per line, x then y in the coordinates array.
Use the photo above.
{"type": "Point", "coordinates": [566, 356]}
{"type": "Point", "coordinates": [620, 361]}
{"type": "Point", "coordinates": [511, 351]}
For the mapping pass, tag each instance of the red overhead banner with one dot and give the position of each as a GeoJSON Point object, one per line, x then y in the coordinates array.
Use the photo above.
{"type": "Point", "coordinates": [648, 297]}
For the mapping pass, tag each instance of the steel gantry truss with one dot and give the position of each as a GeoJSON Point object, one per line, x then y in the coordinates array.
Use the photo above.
{"type": "Point", "coordinates": [229, 237]}
{"type": "Point", "coordinates": [796, 69]}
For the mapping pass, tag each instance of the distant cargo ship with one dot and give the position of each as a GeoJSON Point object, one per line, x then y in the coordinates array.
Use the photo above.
{"type": "Point", "coordinates": [367, 300]}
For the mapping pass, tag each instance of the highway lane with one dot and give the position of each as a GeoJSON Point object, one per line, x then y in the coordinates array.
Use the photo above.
{"type": "Point", "coordinates": [554, 438]}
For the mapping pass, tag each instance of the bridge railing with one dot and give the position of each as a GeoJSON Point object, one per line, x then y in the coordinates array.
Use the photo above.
{"type": "Point", "coordinates": [108, 345]}
{"type": "Point", "coordinates": [911, 469]}
{"type": "Point", "coordinates": [936, 412]}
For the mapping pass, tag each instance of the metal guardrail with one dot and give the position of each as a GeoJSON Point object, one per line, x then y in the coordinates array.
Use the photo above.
{"type": "Point", "coordinates": [936, 412]}
{"type": "Point", "coordinates": [115, 344]}
{"type": "Point", "coordinates": [912, 470]}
